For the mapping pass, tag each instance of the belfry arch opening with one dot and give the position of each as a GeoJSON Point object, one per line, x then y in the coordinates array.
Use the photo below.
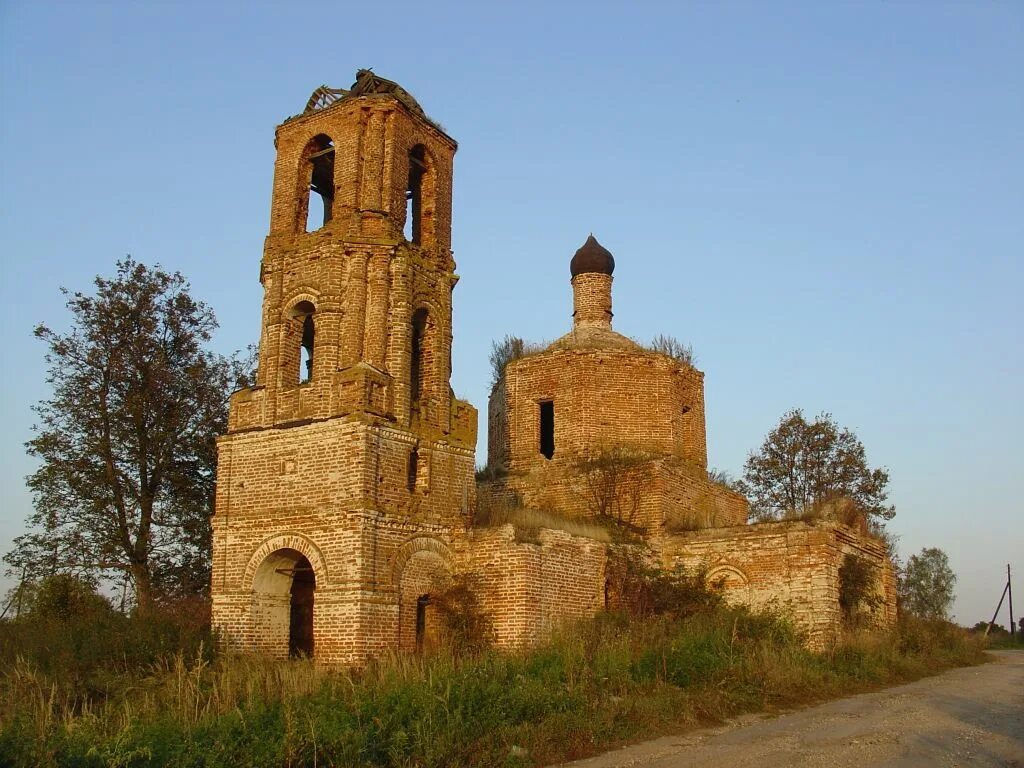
{"type": "Point", "coordinates": [414, 197]}
{"type": "Point", "coordinates": [318, 178]}
{"type": "Point", "coordinates": [302, 315]}
{"type": "Point", "coordinates": [284, 589]}
{"type": "Point", "coordinates": [419, 355]}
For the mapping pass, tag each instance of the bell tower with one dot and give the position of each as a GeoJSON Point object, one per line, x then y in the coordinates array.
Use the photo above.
{"type": "Point", "coordinates": [350, 444]}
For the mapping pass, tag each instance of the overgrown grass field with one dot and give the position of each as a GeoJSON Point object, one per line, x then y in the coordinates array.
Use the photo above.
{"type": "Point", "coordinates": [125, 695]}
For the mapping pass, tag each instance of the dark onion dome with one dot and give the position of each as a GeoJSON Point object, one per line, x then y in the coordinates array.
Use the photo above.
{"type": "Point", "coordinates": [592, 257]}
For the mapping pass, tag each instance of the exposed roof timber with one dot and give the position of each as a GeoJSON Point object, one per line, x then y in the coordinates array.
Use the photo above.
{"type": "Point", "coordinates": [367, 84]}
{"type": "Point", "coordinates": [324, 97]}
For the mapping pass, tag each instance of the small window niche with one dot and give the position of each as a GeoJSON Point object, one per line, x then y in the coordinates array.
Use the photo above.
{"type": "Point", "coordinates": [319, 159]}
{"type": "Point", "coordinates": [547, 428]}
{"type": "Point", "coordinates": [412, 470]}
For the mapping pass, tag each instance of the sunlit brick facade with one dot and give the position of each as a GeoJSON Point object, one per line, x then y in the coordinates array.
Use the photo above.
{"type": "Point", "coordinates": [349, 459]}
{"type": "Point", "coordinates": [346, 496]}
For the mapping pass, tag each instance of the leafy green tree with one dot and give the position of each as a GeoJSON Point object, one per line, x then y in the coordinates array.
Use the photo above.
{"type": "Point", "coordinates": [126, 446]}
{"type": "Point", "coordinates": [926, 584]}
{"type": "Point", "coordinates": [857, 589]}
{"type": "Point", "coordinates": [804, 465]}
{"type": "Point", "coordinates": [63, 597]}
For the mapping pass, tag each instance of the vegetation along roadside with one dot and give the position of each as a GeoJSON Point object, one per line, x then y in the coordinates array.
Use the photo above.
{"type": "Point", "coordinates": [87, 686]}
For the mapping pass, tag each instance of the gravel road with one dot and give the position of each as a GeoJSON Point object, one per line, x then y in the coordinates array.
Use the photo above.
{"type": "Point", "coordinates": [966, 717]}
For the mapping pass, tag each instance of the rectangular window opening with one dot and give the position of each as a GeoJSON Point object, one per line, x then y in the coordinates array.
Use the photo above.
{"type": "Point", "coordinates": [421, 620]}
{"type": "Point", "coordinates": [547, 428]}
{"type": "Point", "coordinates": [412, 470]}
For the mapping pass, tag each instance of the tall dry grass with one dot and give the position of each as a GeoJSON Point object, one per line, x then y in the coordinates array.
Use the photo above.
{"type": "Point", "coordinates": [595, 684]}
{"type": "Point", "coordinates": [528, 523]}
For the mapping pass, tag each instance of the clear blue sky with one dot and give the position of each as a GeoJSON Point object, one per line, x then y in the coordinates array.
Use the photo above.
{"type": "Point", "coordinates": [825, 199]}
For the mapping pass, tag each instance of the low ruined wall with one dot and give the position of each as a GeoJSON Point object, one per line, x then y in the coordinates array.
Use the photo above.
{"type": "Point", "coordinates": [530, 587]}
{"type": "Point", "coordinates": [793, 566]}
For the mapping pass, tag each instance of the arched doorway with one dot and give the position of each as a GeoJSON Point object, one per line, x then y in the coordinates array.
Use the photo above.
{"type": "Point", "coordinates": [283, 608]}
{"type": "Point", "coordinates": [422, 578]}
{"type": "Point", "coordinates": [300, 624]}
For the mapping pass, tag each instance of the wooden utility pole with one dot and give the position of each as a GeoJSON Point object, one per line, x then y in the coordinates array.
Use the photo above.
{"type": "Point", "coordinates": [1009, 594]}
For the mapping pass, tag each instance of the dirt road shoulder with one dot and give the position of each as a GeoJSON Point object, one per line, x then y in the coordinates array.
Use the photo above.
{"type": "Point", "coordinates": [970, 716]}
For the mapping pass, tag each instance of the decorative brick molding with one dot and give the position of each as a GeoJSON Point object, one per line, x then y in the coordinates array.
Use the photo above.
{"type": "Point", "coordinates": [295, 541]}
{"type": "Point", "coordinates": [410, 548]}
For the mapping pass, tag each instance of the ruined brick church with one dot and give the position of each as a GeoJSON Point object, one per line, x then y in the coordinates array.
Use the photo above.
{"type": "Point", "coordinates": [346, 492]}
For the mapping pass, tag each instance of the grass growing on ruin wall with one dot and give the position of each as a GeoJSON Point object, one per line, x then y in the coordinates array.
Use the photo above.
{"type": "Point", "coordinates": [610, 680]}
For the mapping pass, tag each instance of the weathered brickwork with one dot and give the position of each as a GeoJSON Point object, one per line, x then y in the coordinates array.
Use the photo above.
{"type": "Point", "coordinates": [656, 492]}
{"type": "Point", "coordinates": [605, 392]}
{"type": "Point", "coordinates": [592, 380]}
{"type": "Point", "coordinates": [334, 491]}
{"type": "Point", "coordinates": [530, 588]}
{"type": "Point", "coordinates": [792, 565]}
{"type": "Point", "coordinates": [350, 449]}
{"type": "Point", "coordinates": [346, 498]}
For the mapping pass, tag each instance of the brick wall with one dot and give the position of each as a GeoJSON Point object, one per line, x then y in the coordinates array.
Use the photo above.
{"type": "Point", "coordinates": [602, 397]}
{"type": "Point", "coordinates": [592, 300]}
{"type": "Point", "coordinates": [792, 566]}
{"type": "Point", "coordinates": [530, 588]}
{"type": "Point", "coordinates": [655, 493]}
{"type": "Point", "coordinates": [364, 278]}
{"type": "Point", "coordinates": [608, 394]}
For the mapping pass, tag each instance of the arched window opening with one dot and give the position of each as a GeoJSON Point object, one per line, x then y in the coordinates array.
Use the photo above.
{"type": "Point", "coordinates": [419, 353]}
{"type": "Point", "coordinates": [306, 353]}
{"type": "Point", "coordinates": [412, 470]}
{"type": "Point", "coordinates": [414, 195]}
{"type": "Point", "coordinates": [319, 155]}
{"type": "Point", "coordinates": [300, 624]}
{"type": "Point", "coordinates": [303, 313]}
